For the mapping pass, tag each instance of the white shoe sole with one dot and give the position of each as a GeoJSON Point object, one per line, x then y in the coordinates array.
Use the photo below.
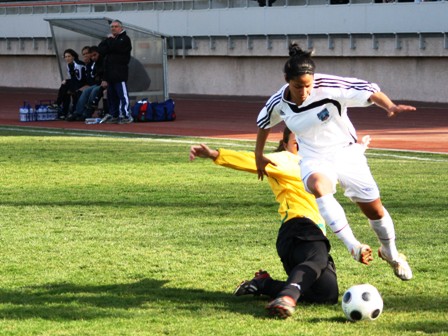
{"type": "Point", "coordinates": [400, 266]}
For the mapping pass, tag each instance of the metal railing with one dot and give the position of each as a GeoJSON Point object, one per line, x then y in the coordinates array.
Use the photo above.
{"type": "Point", "coordinates": [75, 6]}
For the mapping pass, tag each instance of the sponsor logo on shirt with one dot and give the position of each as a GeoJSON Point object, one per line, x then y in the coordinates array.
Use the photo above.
{"type": "Point", "coordinates": [323, 115]}
{"type": "Point", "coordinates": [367, 189]}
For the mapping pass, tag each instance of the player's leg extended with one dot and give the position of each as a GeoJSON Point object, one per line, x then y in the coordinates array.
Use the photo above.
{"type": "Point", "coordinates": [309, 259]}
{"type": "Point", "coordinates": [334, 215]}
{"type": "Point", "coordinates": [325, 290]}
{"type": "Point", "coordinates": [381, 222]}
{"type": "Point", "coordinates": [360, 186]}
{"type": "Point", "coordinates": [304, 264]}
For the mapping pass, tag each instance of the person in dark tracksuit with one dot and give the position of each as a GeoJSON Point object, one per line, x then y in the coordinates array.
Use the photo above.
{"type": "Point", "coordinates": [116, 50]}
{"type": "Point", "coordinates": [92, 92]}
{"type": "Point", "coordinates": [69, 90]}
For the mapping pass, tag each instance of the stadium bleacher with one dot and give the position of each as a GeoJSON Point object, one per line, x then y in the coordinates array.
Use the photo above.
{"type": "Point", "coordinates": [219, 37]}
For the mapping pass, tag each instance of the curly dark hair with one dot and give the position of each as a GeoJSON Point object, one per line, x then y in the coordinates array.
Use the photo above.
{"type": "Point", "coordinates": [73, 53]}
{"type": "Point", "coordinates": [299, 62]}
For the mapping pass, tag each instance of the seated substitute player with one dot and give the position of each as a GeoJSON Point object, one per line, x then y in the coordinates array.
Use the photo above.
{"type": "Point", "coordinates": [301, 242]}
{"type": "Point", "coordinates": [93, 90]}
{"type": "Point", "coordinates": [69, 90]}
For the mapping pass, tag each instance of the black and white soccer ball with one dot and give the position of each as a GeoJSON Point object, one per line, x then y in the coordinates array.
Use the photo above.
{"type": "Point", "coordinates": [362, 302]}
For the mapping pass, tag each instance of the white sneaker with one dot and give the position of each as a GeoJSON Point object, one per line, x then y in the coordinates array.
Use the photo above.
{"type": "Point", "coordinates": [127, 120]}
{"type": "Point", "coordinates": [399, 265]}
{"type": "Point", "coordinates": [105, 119]}
{"type": "Point", "coordinates": [362, 253]}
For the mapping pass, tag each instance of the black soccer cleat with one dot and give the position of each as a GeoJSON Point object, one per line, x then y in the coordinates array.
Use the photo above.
{"type": "Point", "coordinates": [253, 286]}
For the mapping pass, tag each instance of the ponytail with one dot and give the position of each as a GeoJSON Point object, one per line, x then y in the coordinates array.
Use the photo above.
{"type": "Point", "coordinates": [299, 62]}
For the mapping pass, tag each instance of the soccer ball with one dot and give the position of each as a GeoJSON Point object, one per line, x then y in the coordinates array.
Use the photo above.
{"type": "Point", "coordinates": [362, 302]}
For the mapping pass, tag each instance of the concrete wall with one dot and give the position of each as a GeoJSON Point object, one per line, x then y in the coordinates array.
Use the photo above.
{"type": "Point", "coordinates": [29, 72]}
{"type": "Point", "coordinates": [401, 78]}
{"type": "Point", "coordinates": [240, 51]}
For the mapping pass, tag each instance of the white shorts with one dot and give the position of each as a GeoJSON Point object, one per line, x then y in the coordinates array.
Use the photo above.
{"type": "Point", "coordinates": [348, 167]}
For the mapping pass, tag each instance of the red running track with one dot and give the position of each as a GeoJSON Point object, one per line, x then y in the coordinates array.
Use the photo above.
{"type": "Point", "coordinates": [234, 117]}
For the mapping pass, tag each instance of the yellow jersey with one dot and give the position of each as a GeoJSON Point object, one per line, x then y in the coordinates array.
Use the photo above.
{"type": "Point", "coordinates": [284, 179]}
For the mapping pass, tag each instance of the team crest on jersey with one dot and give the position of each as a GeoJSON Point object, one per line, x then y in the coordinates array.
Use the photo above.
{"type": "Point", "coordinates": [323, 115]}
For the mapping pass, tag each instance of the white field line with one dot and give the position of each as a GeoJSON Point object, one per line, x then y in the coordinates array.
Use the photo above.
{"type": "Point", "coordinates": [398, 156]}
{"type": "Point", "coordinates": [160, 137]}
{"type": "Point", "coordinates": [185, 140]}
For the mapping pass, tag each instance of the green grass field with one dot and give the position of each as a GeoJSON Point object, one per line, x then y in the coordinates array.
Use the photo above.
{"type": "Point", "coordinates": [115, 235]}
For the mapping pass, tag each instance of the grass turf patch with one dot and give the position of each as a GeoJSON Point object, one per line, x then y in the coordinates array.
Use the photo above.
{"type": "Point", "coordinates": [117, 235]}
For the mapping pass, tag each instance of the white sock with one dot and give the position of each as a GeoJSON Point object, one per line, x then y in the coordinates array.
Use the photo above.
{"type": "Point", "coordinates": [335, 218]}
{"type": "Point", "coordinates": [385, 231]}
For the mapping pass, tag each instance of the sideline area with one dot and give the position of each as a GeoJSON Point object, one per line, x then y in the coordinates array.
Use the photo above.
{"type": "Point", "coordinates": [234, 118]}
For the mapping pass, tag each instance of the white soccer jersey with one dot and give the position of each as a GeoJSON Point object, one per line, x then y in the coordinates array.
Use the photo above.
{"type": "Point", "coordinates": [321, 123]}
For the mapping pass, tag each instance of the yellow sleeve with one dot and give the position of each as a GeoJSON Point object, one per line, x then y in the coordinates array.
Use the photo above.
{"type": "Point", "coordinates": [244, 161]}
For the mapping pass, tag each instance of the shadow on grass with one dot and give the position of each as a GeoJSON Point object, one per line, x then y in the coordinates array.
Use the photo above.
{"type": "Point", "coordinates": [422, 327]}
{"type": "Point", "coordinates": [426, 327]}
{"type": "Point", "coordinates": [180, 205]}
{"type": "Point", "coordinates": [67, 301]}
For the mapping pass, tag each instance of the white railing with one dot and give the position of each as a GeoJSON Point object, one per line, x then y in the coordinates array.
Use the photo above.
{"type": "Point", "coordinates": [75, 6]}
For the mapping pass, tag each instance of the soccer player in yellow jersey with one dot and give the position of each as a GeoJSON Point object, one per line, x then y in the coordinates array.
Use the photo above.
{"type": "Point", "coordinates": [301, 243]}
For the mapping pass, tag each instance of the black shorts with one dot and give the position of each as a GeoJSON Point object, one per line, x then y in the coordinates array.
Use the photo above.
{"type": "Point", "coordinates": [303, 229]}
{"type": "Point", "coordinates": [301, 242]}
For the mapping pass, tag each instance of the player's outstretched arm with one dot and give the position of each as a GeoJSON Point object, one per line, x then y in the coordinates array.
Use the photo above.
{"type": "Point", "coordinates": [203, 151]}
{"type": "Point", "coordinates": [238, 160]}
{"type": "Point", "coordinates": [382, 100]}
{"type": "Point", "coordinates": [262, 161]}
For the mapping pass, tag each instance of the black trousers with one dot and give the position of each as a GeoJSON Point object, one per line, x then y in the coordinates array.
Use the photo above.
{"type": "Point", "coordinates": [304, 252]}
{"type": "Point", "coordinates": [67, 95]}
{"type": "Point", "coordinates": [309, 265]}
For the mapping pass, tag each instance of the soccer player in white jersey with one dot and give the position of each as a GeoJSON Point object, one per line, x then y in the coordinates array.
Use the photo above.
{"type": "Point", "coordinates": [314, 107]}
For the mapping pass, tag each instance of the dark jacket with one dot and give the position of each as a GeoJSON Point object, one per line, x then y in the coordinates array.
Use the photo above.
{"type": "Point", "coordinates": [98, 70]}
{"type": "Point", "coordinates": [117, 54]}
{"type": "Point", "coordinates": [77, 75]}
{"type": "Point", "coordinates": [90, 73]}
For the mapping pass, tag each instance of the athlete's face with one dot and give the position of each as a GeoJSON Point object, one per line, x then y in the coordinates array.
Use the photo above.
{"type": "Point", "coordinates": [291, 145]}
{"type": "Point", "coordinates": [300, 88]}
{"type": "Point", "coordinates": [94, 56]}
{"type": "Point", "coordinates": [86, 56]}
{"type": "Point", "coordinates": [68, 58]}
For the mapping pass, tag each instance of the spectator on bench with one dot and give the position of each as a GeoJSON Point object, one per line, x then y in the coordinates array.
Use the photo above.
{"type": "Point", "coordinates": [92, 92]}
{"type": "Point", "coordinates": [69, 90]}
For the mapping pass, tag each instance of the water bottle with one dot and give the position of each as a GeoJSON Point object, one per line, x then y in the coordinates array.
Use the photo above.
{"type": "Point", "coordinates": [92, 121]}
{"type": "Point", "coordinates": [23, 112]}
{"type": "Point", "coordinates": [39, 114]}
{"type": "Point", "coordinates": [31, 113]}
{"type": "Point", "coordinates": [45, 112]}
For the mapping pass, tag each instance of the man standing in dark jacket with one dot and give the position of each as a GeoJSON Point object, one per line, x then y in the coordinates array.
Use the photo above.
{"type": "Point", "coordinates": [116, 49]}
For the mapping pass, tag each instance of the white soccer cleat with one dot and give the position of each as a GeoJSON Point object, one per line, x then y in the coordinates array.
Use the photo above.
{"type": "Point", "coordinates": [362, 253]}
{"type": "Point", "coordinates": [400, 266]}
